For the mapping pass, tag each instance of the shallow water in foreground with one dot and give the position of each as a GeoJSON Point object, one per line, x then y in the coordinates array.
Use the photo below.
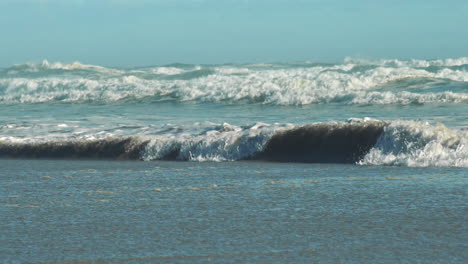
{"type": "Point", "coordinates": [230, 212]}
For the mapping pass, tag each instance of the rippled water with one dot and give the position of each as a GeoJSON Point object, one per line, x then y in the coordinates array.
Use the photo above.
{"type": "Point", "coordinates": [179, 212]}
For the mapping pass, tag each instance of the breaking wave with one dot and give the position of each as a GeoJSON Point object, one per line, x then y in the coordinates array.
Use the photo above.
{"type": "Point", "coordinates": [351, 82]}
{"type": "Point", "coordinates": [416, 144]}
{"type": "Point", "coordinates": [358, 141]}
{"type": "Point", "coordinates": [463, 61]}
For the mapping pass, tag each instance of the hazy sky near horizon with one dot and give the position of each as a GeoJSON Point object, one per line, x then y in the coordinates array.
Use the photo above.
{"type": "Point", "coordinates": [145, 32]}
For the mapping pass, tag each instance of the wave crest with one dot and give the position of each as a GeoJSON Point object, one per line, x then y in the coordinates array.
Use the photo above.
{"type": "Point", "coordinates": [278, 87]}
{"type": "Point", "coordinates": [359, 141]}
{"type": "Point", "coordinates": [46, 66]}
{"type": "Point", "coordinates": [416, 144]}
{"type": "Point", "coordinates": [281, 84]}
{"type": "Point", "coordinates": [413, 63]}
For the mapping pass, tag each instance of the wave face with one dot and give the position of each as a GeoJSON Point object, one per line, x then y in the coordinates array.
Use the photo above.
{"type": "Point", "coordinates": [111, 148]}
{"type": "Point", "coordinates": [351, 82]}
{"type": "Point", "coordinates": [323, 143]}
{"type": "Point", "coordinates": [359, 141]}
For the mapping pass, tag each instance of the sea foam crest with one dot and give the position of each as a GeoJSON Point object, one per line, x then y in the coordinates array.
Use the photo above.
{"type": "Point", "coordinates": [398, 82]}
{"type": "Point", "coordinates": [418, 144]}
{"type": "Point", "coordinates": [46, 65]}
{"type": "Point", "coordinates": [363, 141]}
{"type": "Point", "coordinates": [413, 63]}
{"type": "Point", "coordinates": [228, 143]}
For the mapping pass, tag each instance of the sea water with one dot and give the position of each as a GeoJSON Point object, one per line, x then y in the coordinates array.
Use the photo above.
{"type": "Point", "coordinates": [353, 162]}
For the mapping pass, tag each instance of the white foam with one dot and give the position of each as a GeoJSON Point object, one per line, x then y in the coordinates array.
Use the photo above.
{"type": "Point", "coordinates": [226, 144]}
{"type": "Point", "coordinates": [406, 98]}
{"type": "Point", "coordinates": [449, 62]}
{"type": "Point", "coordinates": [343, 83]}
{"type": "Point", "coordinates": [167, 70]}
{"type": "Point", "coordinates": [417, 144]}
{"type": "Point", "coordinates": [46, 65]}
{"type": "Point", "coordinates": [232, 70]}
{"type": "Point", "coordinates": [402, 143]}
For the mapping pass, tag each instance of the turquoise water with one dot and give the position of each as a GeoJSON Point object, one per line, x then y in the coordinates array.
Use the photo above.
{"type": "Point", "coordinates": [354, 162]}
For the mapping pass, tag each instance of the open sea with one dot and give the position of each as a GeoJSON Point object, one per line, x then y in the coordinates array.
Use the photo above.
{"type": "Point", "coordinates": [364, 161]}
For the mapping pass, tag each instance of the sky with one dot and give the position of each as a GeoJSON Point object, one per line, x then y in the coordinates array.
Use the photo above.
{"type": "Point", "coordinates": [131, 33]}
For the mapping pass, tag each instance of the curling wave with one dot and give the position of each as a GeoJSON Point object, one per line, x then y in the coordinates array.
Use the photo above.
{"type": "Point", "coordinates": [352, 82]}
{"type": "Point", "coordinates": [358, 141]}
{"type": "Point", "coordinates": [110, 148]}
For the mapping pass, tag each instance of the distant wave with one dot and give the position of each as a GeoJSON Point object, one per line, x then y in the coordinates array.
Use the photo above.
{"type": "Point", "coordinates": [352, 82]}
{"type": "Point", "coordinates": [411, 63]}
{"type": "Point", "coordinates": [359, 141]}
{"type": "Point", "coordinates": [46, 66]}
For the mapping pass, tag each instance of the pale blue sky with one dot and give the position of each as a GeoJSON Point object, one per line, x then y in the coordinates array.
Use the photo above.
{"type": "Point", "coordinates": [144, 32]}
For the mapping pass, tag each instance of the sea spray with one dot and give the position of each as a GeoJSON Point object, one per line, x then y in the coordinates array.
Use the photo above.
{"type": "Point", "coordinates": [352, 82]}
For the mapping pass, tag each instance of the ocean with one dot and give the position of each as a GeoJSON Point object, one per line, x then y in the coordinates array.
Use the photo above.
{"type": "Point", "coordinates": [363, 161]}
